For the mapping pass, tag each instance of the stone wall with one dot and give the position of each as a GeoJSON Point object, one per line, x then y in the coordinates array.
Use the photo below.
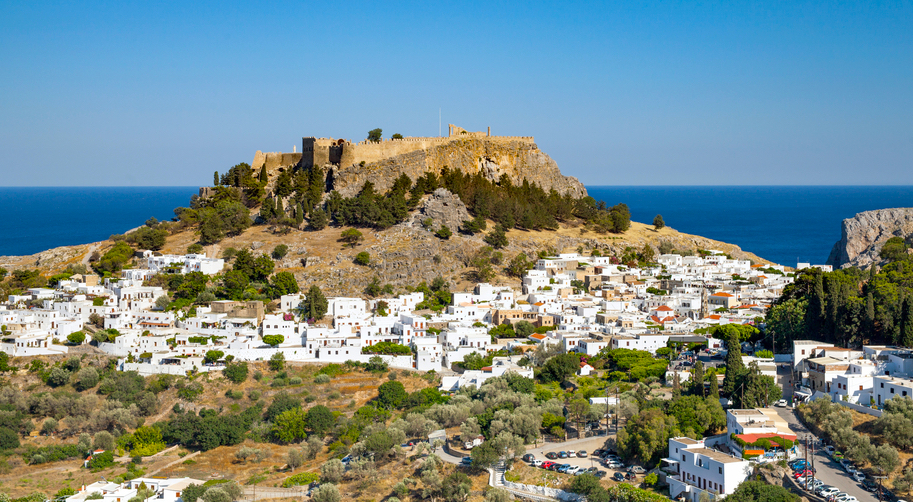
{"type": "Point", "coordinates": [518, 158]}
{"type": "Point", "coordinates": [274, 160]}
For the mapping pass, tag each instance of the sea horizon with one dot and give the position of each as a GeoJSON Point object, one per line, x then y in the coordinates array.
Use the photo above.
{"type": "Point", "coordinates": [781, 223]}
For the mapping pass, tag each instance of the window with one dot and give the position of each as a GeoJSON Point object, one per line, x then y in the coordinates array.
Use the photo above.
{"type": "Point", "coordinates": [721, 469]}
{"type": "Point", "coordinates": [892, 391]}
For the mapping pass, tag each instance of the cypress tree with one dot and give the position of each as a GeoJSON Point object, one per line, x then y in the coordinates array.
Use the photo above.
{"type": "Point", "coordinates": [267, 210]}
{"type": "Point", "coordinates": [280, 211]}
{"type": "Point", "coordinates": [906, 323]}
{"type": "Point", "coordinates": [263, 176]}
{"type": "Point", "coordinates": [870, 316]}
{"type": "Point", "coordinates": [299, 215]}
{"type": "Point", "coordinates": [714, 387]}
{"type": "Point", "coordinates": [215, 178]}
{"type": "Point", "coordinates": [697, 379]}
{"type": "Point", "coordinates": [734, 365]}
{"type": "Point", "coordinates": [676, 386]}
{"type": "Point", "coordinates": [815, 313]}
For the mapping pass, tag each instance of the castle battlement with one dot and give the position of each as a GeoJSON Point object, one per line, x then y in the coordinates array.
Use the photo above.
{"type": "Point", "coordinates": [344, 153]}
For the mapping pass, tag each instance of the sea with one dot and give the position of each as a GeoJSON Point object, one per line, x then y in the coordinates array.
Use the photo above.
{"type": "Point", "coordinates": [783, 224]}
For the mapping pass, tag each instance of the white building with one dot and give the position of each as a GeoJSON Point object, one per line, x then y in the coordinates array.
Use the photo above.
{"type": "Point", "coordinates": [184, 263]}
{"type": "Point", "coordinates": [888, 387]}
{"type": "Point", "coordinates": [694, 469]}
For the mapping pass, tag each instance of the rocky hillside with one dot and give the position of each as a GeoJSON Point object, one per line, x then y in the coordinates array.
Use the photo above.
{"type": "Point", "coordinates": [402, 255]}
{"type": "Point", "coordinates": [863, 235]}
{"type": "Point", "coordinates": [517, 159]}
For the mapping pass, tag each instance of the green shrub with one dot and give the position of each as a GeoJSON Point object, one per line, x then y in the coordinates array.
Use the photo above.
{"type": "Point", "coordinates": [300, 479]}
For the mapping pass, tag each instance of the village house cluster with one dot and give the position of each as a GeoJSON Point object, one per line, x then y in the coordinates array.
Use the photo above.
{"type": "Point", "coordinates": [584, 303]}
{"type": "Point", "coordinates": [577, 303]}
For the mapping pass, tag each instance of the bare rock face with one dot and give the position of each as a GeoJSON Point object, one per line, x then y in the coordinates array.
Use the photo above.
{"type": "Point", "coordinates": [444, 208]}
{"type": "Point", "coordinates": [518, 160]}
{"type": "Point", "coordinates": [864, 234]}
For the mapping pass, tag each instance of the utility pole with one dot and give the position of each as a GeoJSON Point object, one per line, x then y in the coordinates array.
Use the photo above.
{"type": "Point", "coordinates": [616, 411]}
{"type": "Point", "coordinates": [880, 485]}
{"type": "Point", "coordinates": [606, 410]}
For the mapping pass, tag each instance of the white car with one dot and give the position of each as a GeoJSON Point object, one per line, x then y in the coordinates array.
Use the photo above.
{"type": "Point", "coordinates": [571, 454]}
{"type": "Point", "coordinates": [827, 491]}
{"type": "Point", "coordinates": [859, 476]}
{"type": "Point", "coordinates": [781, 403]}
{"type": "Point", "coordinates": [572, 469]}
{"type": "Point", "coordinates": [537, 463]}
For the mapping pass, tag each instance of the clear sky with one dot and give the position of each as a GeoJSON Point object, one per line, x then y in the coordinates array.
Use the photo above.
{"type": "Point", "coordinates": [618, 93]}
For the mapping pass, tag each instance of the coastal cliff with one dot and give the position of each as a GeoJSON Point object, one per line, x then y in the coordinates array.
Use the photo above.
{"type": "Point", "coordinates": [863, 235]}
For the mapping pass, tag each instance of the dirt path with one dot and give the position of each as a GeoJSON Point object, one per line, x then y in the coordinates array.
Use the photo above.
{"type": "Point", "coordinates": [89, 251]}
{"type": "Point", "coordinates": [169, 464]}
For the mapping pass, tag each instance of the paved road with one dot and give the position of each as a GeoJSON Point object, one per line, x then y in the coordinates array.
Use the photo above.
{"type": "Point", "coordinates": [828, 470]}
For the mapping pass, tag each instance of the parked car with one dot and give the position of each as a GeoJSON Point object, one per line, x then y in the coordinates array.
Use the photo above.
{"type": "Point", "coordinates": [630, 476]}
{"type": "Point", "coordinates": [564, 468]}
{"type": "Point", "coordinates": [799, 474]}
{"type": "Point", "coordinates": [859, 476]}
{"type": "Point", "coordinates": [827, 490]}
{"type": "Point", "coordinates": [466, 461]}
{"type": "Point", "coordinates": [781, 403]}
{"type": "Point", "coordinates": [869, 485]}
{"type": "Point", "coordinates": [618, 476]}
{"type": "Point", "coordinates": [529, 457]}
{"type": "Point", "coordinates": [829, 450]}
{"type": "Point", "coordinates": [562, 454]}
{"type": "Point", "coordinates": [600, 474]}
{"type": "Point", "coordinates": [571, 469]}
{"type": "Point", "coordinates": [551, 455]}
{"type": "Point", "coordinates": [886, 494]}
{"type": "Point", "coordinates": [598, 452]}
{"type": "Point", "coordinates": [571, 453]}
{"type": "Point", "coordinates": [537, 463]}
{"type": "Point", "coordinates": [636, 469]}
{"type": "Point", "coordinates": [581, 454]}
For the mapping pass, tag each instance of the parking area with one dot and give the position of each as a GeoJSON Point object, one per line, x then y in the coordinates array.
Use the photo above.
{"type": "Point", "coordinates": [589, 445]}
{"type": "Point", "coordinates": [828, 471]}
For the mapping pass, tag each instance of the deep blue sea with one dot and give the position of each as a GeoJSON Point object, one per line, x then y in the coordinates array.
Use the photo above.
{"type": "Point", "coordinates": [33, 219]}
{"type": "Point", "coordinates": [784, 224]}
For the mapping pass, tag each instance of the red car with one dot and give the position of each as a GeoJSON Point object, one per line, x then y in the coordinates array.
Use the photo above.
{"type": "Point", "coordinates": [805, 472]}
{"type": "Point", "coordinates": [547, 465]}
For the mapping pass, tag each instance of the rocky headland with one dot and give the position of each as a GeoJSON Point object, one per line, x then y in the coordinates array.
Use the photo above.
{"type": "Point", "coordinates": [863, 235]}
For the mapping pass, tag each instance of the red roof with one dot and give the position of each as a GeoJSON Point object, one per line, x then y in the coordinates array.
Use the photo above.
{"type": "Point", "coordinates": [663, 308]}
{"type": "Point", "coordinates": [725, 295]}
{"type": "Point", "coordinates": [751, 438]}
{"type": "Point", "coordinates": [538, 336]}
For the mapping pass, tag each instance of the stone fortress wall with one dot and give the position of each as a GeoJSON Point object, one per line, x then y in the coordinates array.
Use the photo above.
{"type": "Point", "coordinates": [351, 164]}
{"type": "Point", "coordinates": [321, 151]}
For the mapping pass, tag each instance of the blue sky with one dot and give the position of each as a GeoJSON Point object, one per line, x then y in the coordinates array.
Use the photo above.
{"type": "Point", "coordinates": [618, 93]}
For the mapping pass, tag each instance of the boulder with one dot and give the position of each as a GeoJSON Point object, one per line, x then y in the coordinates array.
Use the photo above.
{"type": "Point", "coordinates": [443, 208]}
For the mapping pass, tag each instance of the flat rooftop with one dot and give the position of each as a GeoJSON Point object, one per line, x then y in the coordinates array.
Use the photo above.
{"type": "Point", "coordinates": [715, 455]}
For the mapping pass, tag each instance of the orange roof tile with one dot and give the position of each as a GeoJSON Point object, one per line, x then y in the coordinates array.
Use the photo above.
{"type": "Point", "coordinates": [537, 336]}
{"type": "Point", "coordinates": [663, 308]}
{"type": "Point", "coordinates": [721, 294]}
